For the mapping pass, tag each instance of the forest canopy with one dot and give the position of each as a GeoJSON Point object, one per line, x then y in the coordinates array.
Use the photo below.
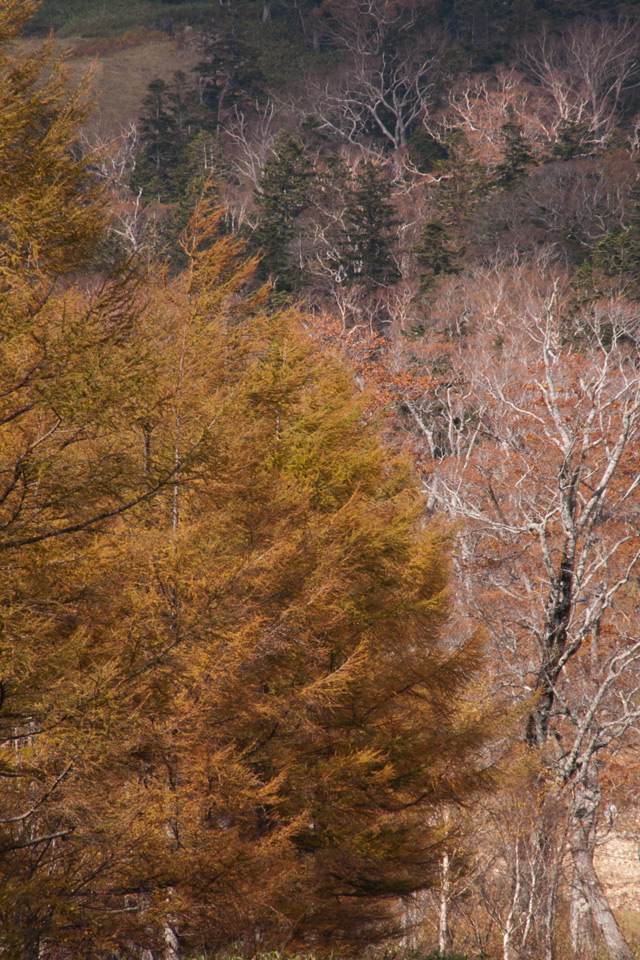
{"type": "Point", "coordinates": [232, 712]}
{"type": "Point", "coordinates": [321, 406]}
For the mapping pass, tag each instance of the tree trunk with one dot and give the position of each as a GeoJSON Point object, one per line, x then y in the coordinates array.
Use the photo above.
{"type": "Point", "coordinates": [583, 939]}
{"type": "Point", "coordinates": [550, 910]}
{"type": "Point", "coordinates": [444, 936]}
{"type": "Point", "coordinates": [171, 944]}
{"type": "Point", "coordinates": [511, 920]}
{"type": "Point", "coordinates": [584, 875]}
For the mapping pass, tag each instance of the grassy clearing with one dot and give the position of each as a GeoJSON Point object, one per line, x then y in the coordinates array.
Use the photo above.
{"type": "Point", "coordinates": [120, 78]}
{"type": "Point", "coordinates": [110, 29]}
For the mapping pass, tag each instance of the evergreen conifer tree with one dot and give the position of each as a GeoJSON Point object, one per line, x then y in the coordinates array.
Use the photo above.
{"type": "Point", "coordinates": [433, 254]}
{"type": "Point", "coordinates": [160, 143]}
{"type": "Point", "coordinates": [171, 120]}
{"type": "Point", "coordinates": [283, 195]}
{"type": "Point", "coordinates": [573, 140]}
{"type": "Point", "coordinates": [228, 73]}
{"type": "Point", "coordinates": [366, 243]}
{"type": "Point", "coordinates": [614, 261]}
{"type": "Point", "coordinates": [517, 156]}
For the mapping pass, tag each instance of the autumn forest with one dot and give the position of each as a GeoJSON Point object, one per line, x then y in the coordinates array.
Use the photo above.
{"type": "Point", "coordinates": [320, 480]}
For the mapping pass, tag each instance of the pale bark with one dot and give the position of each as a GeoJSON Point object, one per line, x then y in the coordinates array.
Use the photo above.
{"type": "Point", "coordinates": [587, 890]}
{"type": "Point", "coordinates": [444, 936]}
{"type": "Point", "coordinates": [586, 71]}
{"type": "Point", "coordinates": [171, 944]}
{"type": "Point", "coordinates": [606, 923]}
{"type": "Point", "coordinates": [550, 480]}
{"type": "Point", "coordinates": [583, 939]}
{"type": "Point", "coordinates": [388, 90]}
{"type": "Point", "coordinates": [512, 917]}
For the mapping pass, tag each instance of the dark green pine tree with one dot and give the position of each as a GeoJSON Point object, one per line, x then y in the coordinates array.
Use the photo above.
{"type": "Point", "coordinates": [283, 194]}
{"type": "Point", "coordinates": [367, 237]}
{"type": "Point", "coordinates": [573, 140]}
{"type": "Point", "coordinates": [158, 142]}
{"type": "Point", "coordinates": [434, 254]}
{"type": "Point", "coordinates": [615, 260]}
{"type": "Point", "coordinates": [517, 157]}
{"type": "Point", "coordinates": [182, 104]}
{"type": "Point", "coordinates": [171, 120]}
{"type": "Point", "coordinates": [228, 73]}
{"type": "Point", "coordinates": [187, 121]}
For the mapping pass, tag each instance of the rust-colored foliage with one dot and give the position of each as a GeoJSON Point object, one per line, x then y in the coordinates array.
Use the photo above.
{"type": "Point", "coordinates": [229, 708]}
{"type": "Point", "coordinates": [49, 209]}
{"type": "Point", "coordinates": [291, 607]}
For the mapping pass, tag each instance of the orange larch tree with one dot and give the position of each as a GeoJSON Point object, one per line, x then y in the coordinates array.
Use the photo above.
{"type": "Point", "coordinates": [230, 711]}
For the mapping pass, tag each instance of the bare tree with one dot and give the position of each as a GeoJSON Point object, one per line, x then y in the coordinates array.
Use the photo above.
{"type": "Point", "coordinates": [481, 105]}
{"type": "Point", "coordinates": [251, 138]}
{"type": "Point", "coordinates": [587, 71]}
{"type": "Point", "coordinates": [386, 87]}
{"type": "Point", "coordinates": [116, 161]}
{"type": "Point", "coordinates": [549, 489]}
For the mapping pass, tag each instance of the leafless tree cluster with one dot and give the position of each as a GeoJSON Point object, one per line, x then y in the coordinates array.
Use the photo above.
{"type": "Point", "coordinates": [384, 88]}
{"type": "Point", "coordinates": [547, 486]}
{"type": "Point", "coordinates": [587, 72]}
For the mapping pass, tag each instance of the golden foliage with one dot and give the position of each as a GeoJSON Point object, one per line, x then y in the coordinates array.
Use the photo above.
{"type": "Point", "coordinates": [228, 707]}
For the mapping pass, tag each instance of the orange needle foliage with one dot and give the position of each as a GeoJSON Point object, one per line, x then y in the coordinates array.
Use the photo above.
{"type": "Point", "coordinates": [294, 719]}
{"type": "Point", "coordinates": [229, 712]}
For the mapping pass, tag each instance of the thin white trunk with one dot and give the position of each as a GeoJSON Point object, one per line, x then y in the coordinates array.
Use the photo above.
{"type": "Point", "coordinates": [445, 888]}
{"type": "Point", "coordinates": [171, 944]}
{"type": "Point", "coordinates": [549, 920]}
{"type": "Point", "coordinates": [589, 892]}
{"type": "Point", "coordinates": [510, 923]}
